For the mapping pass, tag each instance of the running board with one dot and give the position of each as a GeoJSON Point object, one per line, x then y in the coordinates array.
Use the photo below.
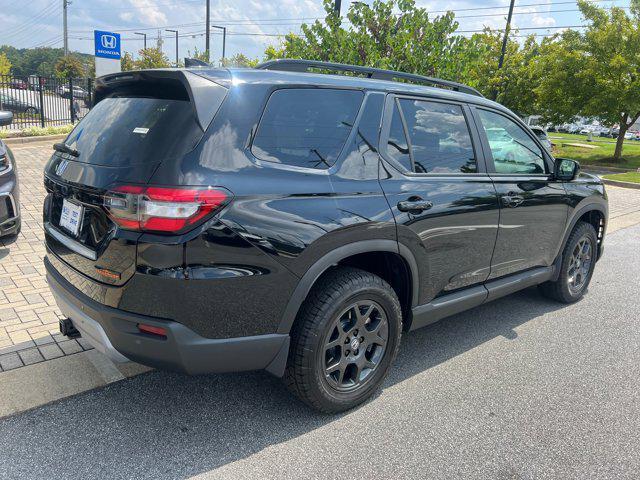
{"type": "Point", "coordinates": [460, 301]}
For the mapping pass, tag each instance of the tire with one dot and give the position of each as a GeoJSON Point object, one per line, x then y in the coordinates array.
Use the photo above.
{"type": "Point", "coordinates": [343, 301]}
{"type": "Point", "coordinates": [31, 111]}
{"type": "Point", "coordinates": [571, 285]}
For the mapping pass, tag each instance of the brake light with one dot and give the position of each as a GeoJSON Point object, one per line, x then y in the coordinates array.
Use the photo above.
{"type": "Point", "coordinates": [162, 209]}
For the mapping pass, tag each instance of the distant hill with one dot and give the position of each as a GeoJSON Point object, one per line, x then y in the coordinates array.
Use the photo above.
{"type": "Point", "coordinates": [40, 61]}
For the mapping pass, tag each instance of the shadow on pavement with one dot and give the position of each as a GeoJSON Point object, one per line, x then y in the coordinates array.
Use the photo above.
{"type": "Point", "coordinates": [166, 425]}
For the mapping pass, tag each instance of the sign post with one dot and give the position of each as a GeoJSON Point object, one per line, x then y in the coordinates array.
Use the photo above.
{"type": "Point", "coordinates": [107, 52]}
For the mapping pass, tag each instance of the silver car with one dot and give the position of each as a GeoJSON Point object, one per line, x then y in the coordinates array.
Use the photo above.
{"type": "Point", "coordinates": [542, 136]}
{"type": "Point", "coordinates": [9, 195]}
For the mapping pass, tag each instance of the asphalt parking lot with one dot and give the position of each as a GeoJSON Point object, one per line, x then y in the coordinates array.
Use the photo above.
{"type": "Point", "coordinates": [523, 388]}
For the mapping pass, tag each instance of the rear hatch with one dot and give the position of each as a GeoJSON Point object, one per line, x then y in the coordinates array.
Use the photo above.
{"type": "Point", "coordinates": [140, 121]}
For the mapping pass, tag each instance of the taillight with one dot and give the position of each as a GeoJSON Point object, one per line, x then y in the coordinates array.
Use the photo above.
{"type": "Point", "coordinates": [162, 209]}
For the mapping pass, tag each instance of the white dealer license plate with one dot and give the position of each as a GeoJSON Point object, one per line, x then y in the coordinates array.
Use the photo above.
{"type": "Point", "coordinates": [71, 216]}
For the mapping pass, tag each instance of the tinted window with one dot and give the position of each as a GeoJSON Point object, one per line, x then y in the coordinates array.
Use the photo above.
{"type": "Point", "coordinates": [513, 150]}
{"type": "Point", "coordinates": [306, 127]}
{"type": "Point", "coordinates": [439, 136]}
{"type": "Point", "coordinates": [397, 147]}
{"type": "Point", "coordinates": [126, 131]}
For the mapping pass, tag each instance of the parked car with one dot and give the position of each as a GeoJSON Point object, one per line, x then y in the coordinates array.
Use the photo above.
{"type": "Point", "coordinates": [9, 190]}
{"type": "Point", "coordinates": [298, 222]}
{"type": "Point", "coordinates": [78, 92]}
{"type": "Point", "coordinates": [12, 104]}
{"type": "Point", "coordinates": [542, 136]}
{"type": "Point", "coordinates": [18, 84]}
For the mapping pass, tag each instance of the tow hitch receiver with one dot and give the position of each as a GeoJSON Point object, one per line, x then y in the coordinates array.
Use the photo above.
{"type": "Point", "coordinates": [67, 328]}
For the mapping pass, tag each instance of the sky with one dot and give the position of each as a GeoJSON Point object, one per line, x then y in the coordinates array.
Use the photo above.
{"type": "Point", "coordinates": [251, 25]}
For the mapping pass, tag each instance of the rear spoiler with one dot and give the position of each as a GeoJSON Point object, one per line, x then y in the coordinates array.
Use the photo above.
{"type": "Point", "coordinates": [205, 93]}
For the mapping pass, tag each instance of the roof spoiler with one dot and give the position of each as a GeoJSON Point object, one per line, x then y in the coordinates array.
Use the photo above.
{"type": "Point", "coordinates": [171, 84]}
{"type": "Point", "coordinates": [194, 62]}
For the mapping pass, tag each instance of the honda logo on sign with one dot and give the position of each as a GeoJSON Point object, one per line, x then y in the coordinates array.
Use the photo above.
{"type": "Point", "coordinates": [108, 41]}
{"type": "Point", "coordinates": [107, 44]}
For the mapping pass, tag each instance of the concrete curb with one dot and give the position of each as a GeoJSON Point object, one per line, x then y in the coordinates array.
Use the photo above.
{"type": "Point", "coordinates": [618, 183]}
{"type": "Point", "coordinates": [35, 385]}
{"type": "Point", "coordinates": [43, 138]}
{"type": "Point", "coordinates": [603, 168]}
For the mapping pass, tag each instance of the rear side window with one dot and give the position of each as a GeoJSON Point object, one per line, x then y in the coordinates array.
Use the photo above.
{"type": "Point", "coordinates": [126, 131]}
{"type": "Point", "coordinates": [306, 127]}
{"type": "Point", "coordinates": [439, 137]}
{"type": "Point", "coordinates": [397, 146]}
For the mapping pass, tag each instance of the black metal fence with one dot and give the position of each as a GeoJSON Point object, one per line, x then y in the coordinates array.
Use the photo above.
{"type": "Point", "coordinates": [38, 101]}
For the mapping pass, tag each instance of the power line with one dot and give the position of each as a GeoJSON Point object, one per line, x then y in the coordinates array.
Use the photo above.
{"type": "Point", "coordinates": [268, 22]}
{"type": "Point", "coordinates": [20, 30]}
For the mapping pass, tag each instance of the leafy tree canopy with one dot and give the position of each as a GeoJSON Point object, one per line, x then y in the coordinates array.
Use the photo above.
{"type": "Point", "coordinates": [397, 35]}
{"type": "Point", "coordinates": [40, 61]}
{"type": "Point", "coordinates": [240, 60]}
{"type": "Point", "coordinates": [5, 65]}
{"type": "Point", "coordinates": [148, 58]}
{"type": "Point", "coordinates": [69, 67]}
{"type": "Point", "coordinates": [594, 73]}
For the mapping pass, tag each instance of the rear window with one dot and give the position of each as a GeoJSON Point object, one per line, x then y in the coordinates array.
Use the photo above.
{"type": "Point", "coordinates": [306, 127]}
{"type": "Point", "coordinates": [126, 131]}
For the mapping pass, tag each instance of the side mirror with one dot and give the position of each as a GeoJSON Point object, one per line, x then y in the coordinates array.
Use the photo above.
{"type": "Point", "coordinates": [6, 118]}
{"type": "Point", "coordinates": [566, 169]}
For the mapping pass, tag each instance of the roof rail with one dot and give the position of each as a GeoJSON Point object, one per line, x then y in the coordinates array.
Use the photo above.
{"type": "Point", "coordinates": [295, 65]}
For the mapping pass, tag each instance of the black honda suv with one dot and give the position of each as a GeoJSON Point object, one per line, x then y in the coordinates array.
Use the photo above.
{"type": "Point", "coordinates": [213, 220]}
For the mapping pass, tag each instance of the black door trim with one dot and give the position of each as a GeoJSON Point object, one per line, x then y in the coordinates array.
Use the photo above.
{"type": "Point", "coordinates": [462, 300]}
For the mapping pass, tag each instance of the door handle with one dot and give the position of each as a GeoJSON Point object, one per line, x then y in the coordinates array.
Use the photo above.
{"type": "Point", "coordinates": [414, 205]}
{"type": "Point", "coordinates": [512, 200]}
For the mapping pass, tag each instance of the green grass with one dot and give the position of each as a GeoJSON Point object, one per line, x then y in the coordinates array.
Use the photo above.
{"type": "Point", "coordinates": [36, 131]}
{"type": "Point", "coordinates": [633, 177]}
{"type": "Point", "coordinates": [601, 155]}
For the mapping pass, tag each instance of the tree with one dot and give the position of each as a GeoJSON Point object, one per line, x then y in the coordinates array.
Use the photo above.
{"type": "Point", "coordinates": [69, 67]}
{"type": "Point", "coordinates": [151, 58]}
{"type": "Point", "coordinates": [199, 55]}
{"type": "Point", "coordinates": [397, 35]}
{"type": "Point", "coordinates": [594, 73]}
{"type": "Point", "coordinates": [126, 62]}
{"type": "Point", "coordinates": [392, 34]}
{"type": "Point", "coordinates": [5, 64]}
{"type": "Point", "coordinates": [240, 60]}
{"type": "Point", "coordinates": [514, 84]}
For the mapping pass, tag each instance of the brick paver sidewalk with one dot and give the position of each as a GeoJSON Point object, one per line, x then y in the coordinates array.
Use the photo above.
{"type": "Point", "coordinates": [28, 314]}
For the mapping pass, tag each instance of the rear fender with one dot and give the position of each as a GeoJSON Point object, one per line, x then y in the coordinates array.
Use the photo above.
{"type": "Point", "coordinates": [333, 258]}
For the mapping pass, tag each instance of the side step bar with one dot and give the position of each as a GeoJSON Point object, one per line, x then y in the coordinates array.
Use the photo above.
{"type": "Point", "coordinates": [457, 302]}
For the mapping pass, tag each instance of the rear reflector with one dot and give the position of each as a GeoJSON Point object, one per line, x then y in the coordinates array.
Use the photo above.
{"type": "Point", "coordinates": [152, 330]}
{"type": "Point", "coordinates": [163, 209]}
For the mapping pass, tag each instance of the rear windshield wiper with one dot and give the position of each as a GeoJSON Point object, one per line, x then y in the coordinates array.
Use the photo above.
{"type": "Point", "coordinates": [64, 148]}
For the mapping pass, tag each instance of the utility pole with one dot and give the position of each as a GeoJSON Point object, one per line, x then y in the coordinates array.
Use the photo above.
{"type": "Point", "coordinates": [506, 35]}
{"type": "Point", "coordinates": [224, 39]}
{"type": "Point", "coordinates": [65, 32]}
{"type": "Point", "coordinates": [145, 38]}
{"type": "Point", "coordinates": [176, 32]}
{"type": "Point", "coordinates": [206, 48]}
{"type": "Point", "coordinates": [337, 5]}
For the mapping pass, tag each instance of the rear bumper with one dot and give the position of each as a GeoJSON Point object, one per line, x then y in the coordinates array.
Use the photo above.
{"type": "Point", "coordinates": [115, 333]}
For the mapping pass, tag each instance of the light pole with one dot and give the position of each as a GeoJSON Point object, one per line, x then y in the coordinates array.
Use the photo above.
{"type": "Point", "coordinates": [224, 38]}
{"type": "Point", "coordinates": [506, 34]}
{"type": "Point", "coordinates": [65, 31]}
{"type": "Point", "coordinates": [176, 32]}
{"type": "Point", "coordinates": [145, 38]}
{"type": "Point", "coordinates": [206, 48]}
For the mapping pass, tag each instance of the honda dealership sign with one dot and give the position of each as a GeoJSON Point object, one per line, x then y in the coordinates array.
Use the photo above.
{"type": "Point", "coordinates": [107, 52]}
